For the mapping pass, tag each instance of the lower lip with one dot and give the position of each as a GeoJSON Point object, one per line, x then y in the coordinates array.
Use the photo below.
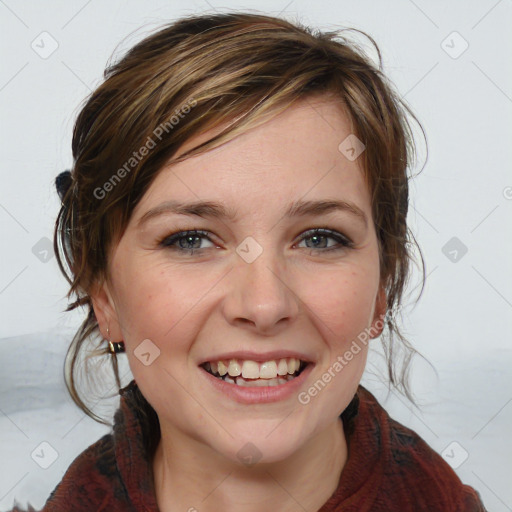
{"type": "Point", "coordinates": [259, 395]}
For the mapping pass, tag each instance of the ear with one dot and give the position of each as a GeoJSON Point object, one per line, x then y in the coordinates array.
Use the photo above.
{"type": "Point", "coordinates": [105, 312]}
{"type": "Point", "coordinates": [379, 313]}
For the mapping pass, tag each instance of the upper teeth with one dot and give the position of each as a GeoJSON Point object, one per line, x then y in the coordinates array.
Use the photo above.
{"type": "Point", "coordinates": [253, 370]}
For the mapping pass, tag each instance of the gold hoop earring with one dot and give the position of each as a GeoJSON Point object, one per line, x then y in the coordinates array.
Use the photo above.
{"type": "Point", "coordinates": [115, 347]}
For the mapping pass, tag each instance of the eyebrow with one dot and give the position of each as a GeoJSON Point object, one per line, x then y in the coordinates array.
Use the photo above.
{"type": "Point", "coordinates": [217, 210]}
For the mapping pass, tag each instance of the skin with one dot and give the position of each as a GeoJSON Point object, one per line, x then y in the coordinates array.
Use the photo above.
{"type": "Point", "coordinates": [295, 295]}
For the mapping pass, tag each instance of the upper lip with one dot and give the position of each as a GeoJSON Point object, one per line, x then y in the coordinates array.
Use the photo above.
{"type": "Point", "coordinates": [258, 357]}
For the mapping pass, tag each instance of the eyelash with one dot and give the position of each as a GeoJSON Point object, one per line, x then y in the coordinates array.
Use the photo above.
{"type": "Point", "coordinates": [169, 242]}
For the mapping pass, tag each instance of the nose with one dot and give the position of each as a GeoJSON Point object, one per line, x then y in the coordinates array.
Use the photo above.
{"type": "Point", "coordinates": [260, 298]}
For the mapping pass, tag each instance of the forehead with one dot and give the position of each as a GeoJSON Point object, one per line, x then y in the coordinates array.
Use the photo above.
{"type": "Point", "coordinates": [294, 155]}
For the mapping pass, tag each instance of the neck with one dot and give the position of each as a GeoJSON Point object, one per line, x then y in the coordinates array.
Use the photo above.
{"type": "Point", "coordinates": [190, 477]}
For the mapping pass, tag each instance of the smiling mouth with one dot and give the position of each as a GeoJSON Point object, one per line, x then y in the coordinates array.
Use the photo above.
{"type": "Point", "coordinates": [251, 374]}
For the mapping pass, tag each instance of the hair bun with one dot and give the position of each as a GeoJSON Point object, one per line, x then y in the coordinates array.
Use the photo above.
{"type": "Point", "coordinates": [62, 183]}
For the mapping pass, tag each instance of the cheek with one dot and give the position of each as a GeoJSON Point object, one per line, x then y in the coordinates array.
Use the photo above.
{"type": "Point", "coordinates": [341, 306]}
{"type": "Point", "coordinates": [145, 298]}
{"type": "Point", "coordinates": [342, 302]}
{"type": "Point", "coordinates": [158, 303]}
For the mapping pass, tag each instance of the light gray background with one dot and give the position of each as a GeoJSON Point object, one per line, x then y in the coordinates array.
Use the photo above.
{"type": "Point", "coordinates": [463, 322]}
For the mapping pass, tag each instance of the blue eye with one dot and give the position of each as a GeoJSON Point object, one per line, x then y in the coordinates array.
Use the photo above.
{"type": "Point", "coordinates": [186, 241]}
{"type": "Point", "coordinates": [319, 236]}
{"type": "Point", "coordinates": [190, 241]}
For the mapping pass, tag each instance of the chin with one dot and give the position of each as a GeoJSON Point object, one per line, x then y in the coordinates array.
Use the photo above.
{"type": "Point", "coordinates": [262, 443]}
{"type": "Point", "coordinates": [257, 452]}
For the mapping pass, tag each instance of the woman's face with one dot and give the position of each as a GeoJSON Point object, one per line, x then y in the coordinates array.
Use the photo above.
{"type": "Point", "coordinates": [257, 286]}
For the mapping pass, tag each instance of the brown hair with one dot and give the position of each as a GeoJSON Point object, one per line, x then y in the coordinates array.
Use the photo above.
{"type": "Point", "coordinates": [204, 71]}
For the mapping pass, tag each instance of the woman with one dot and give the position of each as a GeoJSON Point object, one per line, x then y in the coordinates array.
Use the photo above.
{"type": "Point", "coordinates": [235, 221]}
